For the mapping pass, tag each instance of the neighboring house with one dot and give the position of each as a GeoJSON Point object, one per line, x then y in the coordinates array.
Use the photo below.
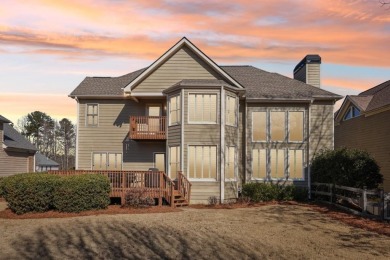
{"type": "Point", "coordinates": [43, 164]}
{"type": "Point", "coordinates": [220, 125]}
{"type": "Point", "coordinates": [16, 153]}
{"type": "Point", "coordinates": [363, 122]}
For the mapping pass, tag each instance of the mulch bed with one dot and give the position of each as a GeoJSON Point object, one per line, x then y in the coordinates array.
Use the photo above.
{"type": "Point", "coordinates": [111, 210]}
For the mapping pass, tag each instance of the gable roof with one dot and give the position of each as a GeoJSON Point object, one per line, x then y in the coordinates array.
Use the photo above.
{"type": "Point", "coordinates": [368, 100]}
{"type": "Point", "coordinates": [260, 84]}
{"type": "Point", "coordinates": [104, 86]}
{"type": "Point", "coordinates": [183, 42]}
{"type": "Point", "coordinates": [4, 120]}
{"type": "Point", "coordinates": [13, 139]}
{"type": "Point", "coordinates": [41, 160]}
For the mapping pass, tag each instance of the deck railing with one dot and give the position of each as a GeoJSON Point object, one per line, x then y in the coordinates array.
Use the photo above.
{"type": "Point", "coordinates": [148, 127]}
{"type": "Point", "coordinates": [184, 186]}
{"type": "Point", "coordinates": [155, 184]}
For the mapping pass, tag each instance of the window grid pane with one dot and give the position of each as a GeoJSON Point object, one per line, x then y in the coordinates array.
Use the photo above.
{"type": "Point", "coordinates": [277, 123]}
{"type": "Point", "coordinates": [92, 114]}
{"type": "Point", "coordinates": [259, 163]}
{"type": "Point", "coordinates": [259, 131]}
{"type": "Point", "coordinates": [202, 108]}
{"type": "Point", "coordinates": [296, 126]}
{"type": "Point", "coordinates": [277, 163]}
{"type": "Point", "coordinates": [202, 162]}
{"type": "Point", "coordinates": [296, 164]}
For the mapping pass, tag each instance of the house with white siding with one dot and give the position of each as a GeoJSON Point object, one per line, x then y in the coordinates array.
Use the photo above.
{"type": "Point", "coordinates": [220, 126]}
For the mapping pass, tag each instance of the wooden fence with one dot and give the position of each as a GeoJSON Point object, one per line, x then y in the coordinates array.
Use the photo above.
{"type": "Point", "coordinates": [155, 184]}
{"type": "Point", "coordinates": [373, 203]}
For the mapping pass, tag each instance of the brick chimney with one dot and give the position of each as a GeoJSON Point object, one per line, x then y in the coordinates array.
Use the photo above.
{"type": "Point", "coordinates": [308, 70]}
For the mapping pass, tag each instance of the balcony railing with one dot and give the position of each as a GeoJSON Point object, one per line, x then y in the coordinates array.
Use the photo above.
{"type": "Point", "coordinates": [147, 128]}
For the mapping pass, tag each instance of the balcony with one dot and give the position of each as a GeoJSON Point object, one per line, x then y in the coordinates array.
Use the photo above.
{"type": "Point", "coordinates": [147, 128]}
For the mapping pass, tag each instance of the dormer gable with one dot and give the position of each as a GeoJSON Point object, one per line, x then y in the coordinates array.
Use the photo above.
{"type": "Point", "coordinates": [183, 61]}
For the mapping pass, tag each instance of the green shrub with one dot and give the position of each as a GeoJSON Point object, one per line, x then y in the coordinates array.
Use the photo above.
{"type": "Point", "coordinates": [29, 192]}
{"type": "Point", "coordinates": [1, 186]}
{"type": "Point", "coordinates": [77, 193]}
{"type": "Point", "coordinates": [258, 192]}
{"type": "Point", "coordinates": [348, 167]}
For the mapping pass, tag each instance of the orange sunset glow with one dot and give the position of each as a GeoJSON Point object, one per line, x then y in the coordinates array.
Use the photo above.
{"type": "Point", "coordinates": [48, 47]}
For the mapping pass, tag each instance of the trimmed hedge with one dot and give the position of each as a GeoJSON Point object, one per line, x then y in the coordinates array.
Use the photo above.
{"type": "Point", "coordinates": [82, 192]}
{"type": "Point", "coordinates": [37, 192]}
{"type": "Point", "coordinates": [29, 192]}
{"type": "Point", "coordinates": [259, 192]}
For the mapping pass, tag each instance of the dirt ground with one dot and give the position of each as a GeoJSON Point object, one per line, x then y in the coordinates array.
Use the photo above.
{"type": "Point", "coordinates": [270, 232]}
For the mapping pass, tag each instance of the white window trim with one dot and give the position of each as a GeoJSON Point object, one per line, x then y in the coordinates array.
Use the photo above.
{"type": "Point", "coordinates": [303, 127]}
{"type": "Point", "coordinates": [107, 153]}
{"type": "Point", "coordinates": [303, 165]}
{"type": "Point", "coordinates": [235, 112]}
{"type": "Point", "coordinates": [188, 164]}
{"type": "Point", "coordinates": [86, 114]}
{"type": "Point", "coordinates": [234, 164]}
{"type": "Point", "coordinates": [169, 110]}
{"type": "Point", "coordinates": [203, 122]}
{"type": "Point", "coordinates": [266, 127]}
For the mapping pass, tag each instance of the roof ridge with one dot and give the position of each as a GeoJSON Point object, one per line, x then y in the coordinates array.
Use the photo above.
{"type": "Point", "coordinates": [380, 87]}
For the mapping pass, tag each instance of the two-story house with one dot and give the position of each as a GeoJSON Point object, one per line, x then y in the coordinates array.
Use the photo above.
{"type": "Point", "coordinates": [220, 125]}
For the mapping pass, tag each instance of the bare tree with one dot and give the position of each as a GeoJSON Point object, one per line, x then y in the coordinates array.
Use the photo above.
{"type": "Point", "coordinates": [66, 137]}
{"type": "Point", "coordinates": [385, 3]}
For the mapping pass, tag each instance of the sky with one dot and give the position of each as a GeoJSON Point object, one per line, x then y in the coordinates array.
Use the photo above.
{"type": "Point", "coordinates": [48, 47]}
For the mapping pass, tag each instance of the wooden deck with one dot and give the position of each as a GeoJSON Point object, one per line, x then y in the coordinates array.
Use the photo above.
{"type": "Point", "coordinates": [148, 128]}
{"type": "Point", "coordinates": [155, 184]}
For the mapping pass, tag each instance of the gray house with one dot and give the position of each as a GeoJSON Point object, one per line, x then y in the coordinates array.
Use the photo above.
{"type": "Point", "coordinates": [16, 153]}
{"type": "Point", "coordinates": [220, 125]}
{"type": "Point", "coordinates": [43, 163]}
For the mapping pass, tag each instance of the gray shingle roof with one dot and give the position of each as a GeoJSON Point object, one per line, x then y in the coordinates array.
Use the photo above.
{"type": "Point", "coordinates": [257, 83]}
{"type": "Point", "coordinates": [361, 101]}
{"type": "Point", "coordinates": [104, 86]}
{"type": "Point", "coordinates": [380, 96]}
{"type": "Point", "coordinates": [4, 120]}
{"type": "Point", "coordinates": [41, 160]}
{"type": "Point", "coordinates": [13, 139]}
{"type": "Point", "coordinates": [262, 84]}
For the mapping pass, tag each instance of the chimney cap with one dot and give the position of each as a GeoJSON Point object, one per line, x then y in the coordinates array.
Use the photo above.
{"type": "Point", "coordinates": [309, 58]}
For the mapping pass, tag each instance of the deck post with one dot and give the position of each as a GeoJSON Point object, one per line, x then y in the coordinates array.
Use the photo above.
{"type": "Point", "coordinates": [123, 188]}
{"type": "Point", "coordinates": [160, 174]}
{"type": "Point", "coordinates": [172, 196]}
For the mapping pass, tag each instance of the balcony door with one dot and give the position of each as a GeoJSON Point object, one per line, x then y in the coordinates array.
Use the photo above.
{"type": "Point", "coordinates": [154, 111]}
{"type": "Point", "coordinates": [159, 161]}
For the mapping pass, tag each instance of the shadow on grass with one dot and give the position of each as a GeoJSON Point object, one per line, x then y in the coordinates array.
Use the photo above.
{"type": "Point", "coordinates": [118, 239]}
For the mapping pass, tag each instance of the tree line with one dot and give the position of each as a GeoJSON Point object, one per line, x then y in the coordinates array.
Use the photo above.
{"type": "Point", "coordinates": [54, 139]}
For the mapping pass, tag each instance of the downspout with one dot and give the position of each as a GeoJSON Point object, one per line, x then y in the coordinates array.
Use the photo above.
{"type": "Point", "coordinates": [222, 154]}
{"type": "Point", "coordinates": [182, 131]}
{"type": "Point", "coordinates": [77, 134]}
{"type": "Point", "coordinates": [308, 152]}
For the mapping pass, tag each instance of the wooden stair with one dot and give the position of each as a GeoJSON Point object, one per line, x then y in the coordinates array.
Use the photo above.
{"type": "Point", "coordinates": [179, 200]}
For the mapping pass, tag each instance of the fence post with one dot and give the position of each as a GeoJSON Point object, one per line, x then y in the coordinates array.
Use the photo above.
{"type": "Point", "coordinates": [364, 194]}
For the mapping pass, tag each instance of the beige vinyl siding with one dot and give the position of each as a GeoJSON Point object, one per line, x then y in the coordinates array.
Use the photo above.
{"type": "Point", "coordinates": [313, 74]}
{"type": "Point", "coordinates": [14, 162]}
{"type": "Point", "coordinates": [111, 135]}
{"type": "Point", "coordinates": [301, 74]}
{"type": "Point", "coordinates": [174, 135]}
{"type": "Point", "coordinates": [231, 190]}
{"type": "Point", "coordinates": [184, 64]}
{"type": "Point", "coordinates": [369, 133]}
{"type": "Point", "coordinates": [321, 127]}
{"type": "Point", "coordinates": [202, 191]}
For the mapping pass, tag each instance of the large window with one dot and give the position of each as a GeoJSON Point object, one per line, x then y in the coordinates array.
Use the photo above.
{"type": "Point", "coordinates": [259, 164]}
{"type": "Point", "coordinates": [174, 161]}
{"type": "Point", "coordinates": [296, 126]}
{"type": "Point", "coordinates": [174, 110]}
{"type": "Point", "coordinates": [92, 114]}
{"type": "Point", "coordinates": [278, 126]}
{"type": "Point", "coordinates": [259, 126]}
{"type": "Point", "coordinates": [230, 163]}
{"type": "Point", "coordinates": [107, 161]}
{"type": "Point", "coordinates": [202, 108]}
{"type": "Point", "coordinates": [202, 162]}
{"type": "Point", "coordinates": [277, 164]}
{"type": "Point", "coordinates": [295, 159]}
{"type": "Point", "coordinates": [231, 110]}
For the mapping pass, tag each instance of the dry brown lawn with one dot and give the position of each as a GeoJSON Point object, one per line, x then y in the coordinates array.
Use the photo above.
{"type": "Point", "coordinates": [269, 232]}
